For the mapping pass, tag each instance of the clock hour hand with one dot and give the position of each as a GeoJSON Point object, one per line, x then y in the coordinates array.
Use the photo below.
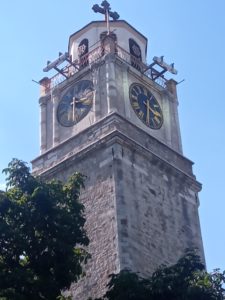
{"type": "Point", "coordinates": [81, 99]}
{"type": "Point", "coordinates": [85, 100]}
{"type": "Point", "coordinates": [78, 100]}
{"type": "Point", "coordinates": [156, 113]}
{"type": "Point", "coordinates": [148, 108]}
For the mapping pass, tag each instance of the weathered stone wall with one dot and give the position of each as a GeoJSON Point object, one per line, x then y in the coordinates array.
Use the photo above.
{"type": "Point", "coordinates": [140, 198]}
{"type": "Point", "coordinates": [101, 224]}
{"type": "Point", "coordinates": [157, 211]}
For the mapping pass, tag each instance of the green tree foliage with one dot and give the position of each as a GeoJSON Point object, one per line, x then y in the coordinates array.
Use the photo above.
{"type": "Point", "coordinates": [41, 235]}
{"type": "Point", "coordinates": [186, 280]}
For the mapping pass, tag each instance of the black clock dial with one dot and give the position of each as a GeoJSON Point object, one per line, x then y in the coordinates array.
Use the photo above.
{"type": "Point", "coordinates": [75, 103]}
{"type": "Point", "coordinates": [146, 106]}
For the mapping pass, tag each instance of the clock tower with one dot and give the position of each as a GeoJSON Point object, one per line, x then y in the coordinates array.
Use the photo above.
{"type": "Point", "coordinates": [110, 115]}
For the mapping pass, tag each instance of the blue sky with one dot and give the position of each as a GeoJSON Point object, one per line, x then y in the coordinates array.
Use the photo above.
{"type": "Point", "coordinates": [189, 33]}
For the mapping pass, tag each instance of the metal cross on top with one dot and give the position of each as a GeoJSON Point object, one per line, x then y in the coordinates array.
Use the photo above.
{"type": "Point", "coordinates": [106, 10]}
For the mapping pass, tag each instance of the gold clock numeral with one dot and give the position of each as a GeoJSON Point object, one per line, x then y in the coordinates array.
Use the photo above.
{"type": "Point", "coordinates": [141, 114]}
{"type": "Point", "coordinates": [136, 90]}
{"type": "Point", "coordinates": [134, 93]}
{"type": "Point", "coordinates": [82, 110]}
{"type": "Point", "coordinates": [157, 119]}
{"type": "Point", "coordinates": [135, 105]}
{"type": "Point", "coordinates": [134, 97]}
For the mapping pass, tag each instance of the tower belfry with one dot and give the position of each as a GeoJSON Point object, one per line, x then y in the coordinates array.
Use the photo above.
{"type": "Point", "coordinates": [110, 115]}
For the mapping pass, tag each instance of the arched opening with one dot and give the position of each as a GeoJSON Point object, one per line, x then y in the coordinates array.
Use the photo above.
{"type": "Point", "coordinates": [83, 49]}
{"type": "Point", "coordinates": [135, 52]}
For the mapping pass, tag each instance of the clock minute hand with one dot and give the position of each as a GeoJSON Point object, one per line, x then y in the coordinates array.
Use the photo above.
{"type": "Point", "coordinates": [85, 100]}
{"type": "Point", "coordinates": [148, 108]}
{"type": "Point", "coordinates": [73, 103]}
{"type": "Point", "coordinates": [147, 103]}
{"type": "Point", "coordinates": [156, 113]}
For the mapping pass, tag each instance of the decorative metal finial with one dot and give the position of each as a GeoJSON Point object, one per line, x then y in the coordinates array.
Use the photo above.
{"type": "Point", "coordinates": [106, 10]}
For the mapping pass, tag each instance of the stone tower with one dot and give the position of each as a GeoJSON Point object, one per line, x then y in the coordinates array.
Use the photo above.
{"type": "Point", "coordinates": [114, 118]}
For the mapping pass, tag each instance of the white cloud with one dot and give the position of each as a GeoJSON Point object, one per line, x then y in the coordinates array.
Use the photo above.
{"type": "Point", "coordinates": [2, 186]}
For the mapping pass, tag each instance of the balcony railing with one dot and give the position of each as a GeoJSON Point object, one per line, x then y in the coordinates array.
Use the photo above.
{"type": "Point", "coordinates": [93, 57]}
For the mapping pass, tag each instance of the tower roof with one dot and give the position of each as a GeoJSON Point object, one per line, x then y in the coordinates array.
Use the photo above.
{"type": "Point", "coordinates": [118, 23]}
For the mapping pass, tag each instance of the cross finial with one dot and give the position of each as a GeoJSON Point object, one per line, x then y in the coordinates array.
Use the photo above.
{"type": "Point", "coordinates": [106, 10]}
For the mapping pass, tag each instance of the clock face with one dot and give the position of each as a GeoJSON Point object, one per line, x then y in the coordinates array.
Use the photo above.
{"type": "Point", "coordinates": [145, 106]}
{"type": "Point", "coordinates": [75, 103]}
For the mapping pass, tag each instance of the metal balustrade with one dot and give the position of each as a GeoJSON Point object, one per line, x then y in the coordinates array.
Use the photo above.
{"type": "Point", "coordinates": [92, 57]}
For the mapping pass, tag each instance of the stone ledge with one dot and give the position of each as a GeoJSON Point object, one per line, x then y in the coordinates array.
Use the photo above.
{"type": "Point", "coordinates": [105, 126]}
{"type": "Point", "coordinates": [51, 163]}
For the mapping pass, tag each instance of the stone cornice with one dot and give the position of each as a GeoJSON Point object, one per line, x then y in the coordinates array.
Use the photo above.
{"type": "Point", "coordinates": [109, 130]}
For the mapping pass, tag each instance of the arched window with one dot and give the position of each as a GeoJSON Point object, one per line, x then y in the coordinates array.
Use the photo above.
{"type": "Point", "coordinates": [135, 52]}
{"type": "Point", "coordinates": [82, 53]}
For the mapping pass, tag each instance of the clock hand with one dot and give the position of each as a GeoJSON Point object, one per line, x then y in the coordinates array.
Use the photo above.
{"type": "Point", "coordinates": [81, 99]}
{"type": "Point", "coordinates": [84, 100]}
{"type": "Point", "coordinates": [157, 114]}
{"type": "Point", "coordinates": [74, 107]}
{"type": "Point", "coordinates": [147, 116]}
